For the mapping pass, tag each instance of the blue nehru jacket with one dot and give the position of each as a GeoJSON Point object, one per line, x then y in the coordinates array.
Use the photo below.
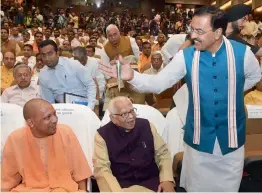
{"type": "Point", "coordinates": [213, 91]}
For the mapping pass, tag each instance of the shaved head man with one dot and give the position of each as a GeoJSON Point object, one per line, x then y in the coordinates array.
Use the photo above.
{"type": "Point", "coordinates": [41, 117]}
{"type": "Point", "coordinates": [43, 156]}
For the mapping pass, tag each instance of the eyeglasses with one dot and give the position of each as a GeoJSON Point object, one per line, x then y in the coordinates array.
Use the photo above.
{"type": "Point", "coordinates": [126, 114]}
{"type": "Point", "coordinates": [198, 31]}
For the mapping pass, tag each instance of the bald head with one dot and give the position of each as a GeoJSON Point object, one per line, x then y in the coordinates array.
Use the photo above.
{"type": "Point", "coordinates": [117, 103]}
{"type": "Point", "coordinates": [32, 106]}
{"type": "Point", "coordinates": [41, 117]}
{"type": "Point", "coordinates": [113, 34]}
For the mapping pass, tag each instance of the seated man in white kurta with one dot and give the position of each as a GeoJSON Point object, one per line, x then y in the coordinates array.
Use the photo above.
{"type": "Point", "coordinates": [24, 90]}
{"type": "Point", "coordinates": [217, 72]}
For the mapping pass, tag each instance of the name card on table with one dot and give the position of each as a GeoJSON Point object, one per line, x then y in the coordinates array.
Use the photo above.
{"type": "Point", "coordinates": [254, 111]}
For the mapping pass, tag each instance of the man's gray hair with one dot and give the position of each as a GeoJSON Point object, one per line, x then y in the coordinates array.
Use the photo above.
{"type": "Point", "coordinates": [111, 26]}
{"type": "Point", "coordinates": [156, 53]}
{"type": "Point", "coordinates": [79, 51]}
{"type": "Point", "coordinates": [112, 109]}
{"type": "Point", "coordinates": [20, 65]}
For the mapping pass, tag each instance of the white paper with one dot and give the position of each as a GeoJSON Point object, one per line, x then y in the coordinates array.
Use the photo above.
{"type": "Point", "coordinates": [254, 111]}
{"type": "Point", "coordinates": [118, 68]}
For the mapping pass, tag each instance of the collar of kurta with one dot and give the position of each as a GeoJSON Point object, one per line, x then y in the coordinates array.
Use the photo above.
{"type": "Point", "coordinates": [123, 131]}
{"type": "Point", "coordinates": [7, 69]}
{"type": "Point", "coordinates": [16, 87]}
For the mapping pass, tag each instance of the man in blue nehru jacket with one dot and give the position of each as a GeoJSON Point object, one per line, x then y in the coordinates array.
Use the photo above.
{"type": "Point", "coordinates": [217, 72]}
{"type": "Point", "coordinates": [129, 155]}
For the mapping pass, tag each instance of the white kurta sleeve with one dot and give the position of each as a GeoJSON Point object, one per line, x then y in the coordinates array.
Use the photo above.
{"type": "Point", "coordinates": [135, 47]}
{"type": "Point", "coordinates": [251, 69]}
{"type": "Point", "coordinates": [169, 76]}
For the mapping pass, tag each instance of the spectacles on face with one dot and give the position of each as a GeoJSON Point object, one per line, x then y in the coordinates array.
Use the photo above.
{"type": "Point", "coordinates": [126, 114]}
{"type": "Point", "coordinates": [199, 32]}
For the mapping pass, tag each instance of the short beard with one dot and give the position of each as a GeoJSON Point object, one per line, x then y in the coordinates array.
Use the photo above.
{"type": "Point", "coordinates": [235, 27]}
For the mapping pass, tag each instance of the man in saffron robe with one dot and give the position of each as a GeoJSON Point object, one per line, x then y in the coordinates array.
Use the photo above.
{"type": "Point", "coordinates": [43, 156]}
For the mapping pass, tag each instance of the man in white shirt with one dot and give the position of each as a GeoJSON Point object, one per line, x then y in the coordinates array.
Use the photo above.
{"type": "Point", "coordinates": [156, 63]}
{"type": "Point", "coordinates": [62, 75]}
{"type": "Point", "coordinates": [28, 56]}
{"type": "Point", "coordinates": [98, 51]}
{"type": "Point", "coordinates": [91, 64]}
{"type": "Point", "coordinates": [48, 34]}
{"type": "Point", "coordinates": [24, 90]}
{"type": "Point", "coordinates": [73, 40]}
{"type": "Point", "coordinates": [26, 38]}
{"type": "Point", "coordinates": [15, 35]}
{"type": "Point", "coordinates": [39, 17]}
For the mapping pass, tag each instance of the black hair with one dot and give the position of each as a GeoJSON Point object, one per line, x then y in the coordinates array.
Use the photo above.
{"type": "Point", "coordinates": [47, 43]}
{"type": "Point", "coordinates": [38, 32]}
{"type": "Point", "coordinates": [218, 17]}
{"type": "Point", "coordinates": [5, 29]}
{"type": "Point", "coordinates": [93, 48]}
{"type": "Point", "coordinates": [28, 45]}
{"type": "Point", "coordinates": [145, 43]}
{"type": "Point", "coordinates": [79, 50]}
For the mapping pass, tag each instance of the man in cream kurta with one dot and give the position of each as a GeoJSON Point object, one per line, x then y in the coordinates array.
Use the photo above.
{"type": "Point", "coordinates": [130, 156]}
{"type": "Point", "coordinates": [211, 161]}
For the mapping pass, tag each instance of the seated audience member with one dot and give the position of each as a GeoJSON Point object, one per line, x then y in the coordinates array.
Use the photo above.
{"type": "Point", "coordinates": [156, 63]}
{"type": "Point", "coordinates": [26, 38]}
{"type": "Point", "coordinates": [144, 61]}
{"type": "Point", "coordinates": [43, 156]}
{"type": "Point", "coordinates": [95, 34]}
{"type": "Point", "coordinates": [98, 50]}
{"type": "Point", "coordinates": [65, 49]}
{"type": "Point", "coordinates": [38, 40]}
{"type": "Point", "coordinates": [48, 34]}
{"type": "Point", "coordinates": [63, 75]}
{"type": "Point", "coordinates": [139, 43]}
{"type": "Point", "coordinates": [83, 39]}
{"type": "Point", "coordinates": [161, 39]}
{"type": "Point", "coordinates": [28, 57]}
{"type": "Point", "coordinates": [74, 42]}
{"type": "Point", "coordinates": [38, 66]}
{"type": "Point", "coordinates": [92, 65]}
{"type": "Point", "coordinates": [24, 90]}
{"type": "Point", "coordinates": [8, 45]}
{"type": "Point", "coordinates": [15, 35]}
{"type": "Point", "coordinates": [57, 38]}
{"type": "Point", "coordinates": [129, 153]}
{"type": "Point", "coordinates": [7, 70]}
{"type": "Point", "coordinates": [90, 50]}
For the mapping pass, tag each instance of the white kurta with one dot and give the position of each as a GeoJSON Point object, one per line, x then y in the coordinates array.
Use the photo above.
{"type": "Point", "coordinates": [202, 171]}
